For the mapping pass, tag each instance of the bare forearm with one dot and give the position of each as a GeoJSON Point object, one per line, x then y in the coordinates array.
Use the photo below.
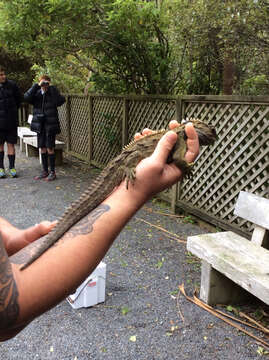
{"type": "Point", "coordinates": [61, 269]}
{"type": "Point", "coordinates": [9, 308]}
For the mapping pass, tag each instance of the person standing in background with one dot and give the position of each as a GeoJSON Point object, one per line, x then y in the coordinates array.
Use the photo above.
{"type": "Point", "coordinates": [10, 100]}
{"type": "Point", "coordinates": [45, 99]}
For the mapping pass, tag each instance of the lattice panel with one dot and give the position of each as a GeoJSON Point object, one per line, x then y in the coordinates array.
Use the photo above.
{"type": "Point", "coordinates": [153, 114]}
{"type": "Point", "coordinates": [79, 125]}
{"type": "Point", "coordinates": [107, 128]}
{"type": "Point", "coordinates": [237, 161]}
{"type": "Point", "coordinates": [62, 118]}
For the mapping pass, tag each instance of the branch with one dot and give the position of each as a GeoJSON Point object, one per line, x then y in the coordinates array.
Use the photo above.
{"type": "Point", "coordinates": [86, 65]}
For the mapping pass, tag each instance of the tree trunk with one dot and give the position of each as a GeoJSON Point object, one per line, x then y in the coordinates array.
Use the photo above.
{"type": "Point", "coordinates": [228, 75]}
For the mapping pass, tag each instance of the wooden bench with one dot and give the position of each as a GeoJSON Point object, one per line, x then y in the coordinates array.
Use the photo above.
{"type": "Point", "coordinates": [234, 267]}
{"type": "Point", "coordinates": [22, 133]}
{"type": "Point", "coordinates": [32, 150]}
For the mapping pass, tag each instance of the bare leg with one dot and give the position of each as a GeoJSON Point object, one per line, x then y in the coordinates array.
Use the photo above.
{"type": "Point", "coordinates": [10, 149]}
{"type": "Point", "coordinates": [2, 171]}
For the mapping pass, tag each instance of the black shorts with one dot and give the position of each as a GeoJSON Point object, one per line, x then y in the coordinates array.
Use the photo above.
{"type": "Point", "coordinates": [9, 136]}
{"type": "Point", "coordinates": [44, 140]}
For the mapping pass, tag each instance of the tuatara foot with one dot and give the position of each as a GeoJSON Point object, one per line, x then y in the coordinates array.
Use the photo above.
{"type": "Point", "coordinates": [130, 176]}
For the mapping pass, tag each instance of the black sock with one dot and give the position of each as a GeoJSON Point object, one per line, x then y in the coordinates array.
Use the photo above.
{"type": "Point", "coordinates": [52, 162]}
{"type": "Point", "coordinates": [11, 159]}
{"type": "Point", "coordinates": [2, 159]}
{"type": "Point", "coordinates": [44, 159]}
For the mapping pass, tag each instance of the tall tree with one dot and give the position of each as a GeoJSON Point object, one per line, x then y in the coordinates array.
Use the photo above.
{"type": "Point", "coordinates": [121, 43]}
{"type": "Point", "coordinates": [17, 68]}
{"type": "Point", "coordinates": [143, 47]}
{"type": "Point", "coordinates": [218, 35]}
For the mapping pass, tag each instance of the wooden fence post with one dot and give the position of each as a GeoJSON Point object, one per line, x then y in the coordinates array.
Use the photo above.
{"type": "Point", "coordinates": [90, 128]}
{"type": "Point", "coordinates": [179, 116]}
{"type": "Point", "coordinates": [68, 125]}
{"type": "Point", "coordinates": [125, 122]}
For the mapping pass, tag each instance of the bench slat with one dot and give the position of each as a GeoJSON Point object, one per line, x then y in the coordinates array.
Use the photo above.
{"type": "Point", "coordinates": [24, 131]}
{"type": "Point", "coordinates": [253, 208]}
{"type": "Point", "coordinates": [237, 258]}
{"type": "Point", "coordinates": [33, 142]}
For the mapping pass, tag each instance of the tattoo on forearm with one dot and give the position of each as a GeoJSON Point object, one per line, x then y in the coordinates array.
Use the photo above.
{"type": "Point", "coordinates": [9, 307]}
{"type": "Point", "coordinates": [83, 227]}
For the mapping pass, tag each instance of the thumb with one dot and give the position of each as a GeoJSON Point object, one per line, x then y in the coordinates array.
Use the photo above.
{"type": "Point", "coordinates": [164, 146]}
{"type": "Point", "coordinates": [35, 232]}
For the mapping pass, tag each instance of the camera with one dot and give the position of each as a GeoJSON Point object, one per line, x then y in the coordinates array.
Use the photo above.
{"type": "Point", "coordinates": [44, 83]}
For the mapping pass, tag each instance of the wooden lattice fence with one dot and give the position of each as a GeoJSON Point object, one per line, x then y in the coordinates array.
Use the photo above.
{"type": "Point", "coordinates": [237, 161]}
{"type": "Point", "coordinates": [96, 127]}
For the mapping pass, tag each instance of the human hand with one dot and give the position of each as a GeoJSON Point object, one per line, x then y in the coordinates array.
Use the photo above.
{"type": "Point", "coordinates": [15, 239]}
{"type": "Point", "coordinates": [44, 84]}
{"type": "Point", "coordinates": [153, 174]}
{"type": "Point", "coordinates": [192, 141]}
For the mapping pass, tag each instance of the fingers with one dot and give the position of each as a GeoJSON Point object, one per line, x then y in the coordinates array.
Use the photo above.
{"type": "Point", "coordinates": [173, 124]}
{"type": "Point", "coordinates": [35, 232]}
{"type": "Point", "coordinates": [190, 132]}
{"type": "Point", "coordinates": [164, 146]}
{"type": "Point", "coordinates": [192, 143]}
{"type": "Point", "coordinates": [46, 226]}
{"type": "Point", "coordinates": [192, 140]}
{"type": "Point", "coordinates": [146, 131]}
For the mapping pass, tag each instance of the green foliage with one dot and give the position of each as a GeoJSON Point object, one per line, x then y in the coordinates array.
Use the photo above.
{"type": "Point", "coordinates": [133, 46]}
{"type": "Point", "coordinates": [17, 68]}
{"type": "Point", "coordinates": [159, 264]}
{"type": "Point", "coordinates": [120, 43]}
{"type": "Point", "coordinates": [220, 38]}
{"type": "Point", "coordinates": [125, 310]}
{"type": "Point", "coordinates": [258, 84]}
{"type": "Point", "coordinates": [109, 131]}
{"type": "Point", "coordinates": [189, 219]}
{"type": "Point", "coordinates": [65, 76]}
{"type": "Point", "coordinates": [261, 351]}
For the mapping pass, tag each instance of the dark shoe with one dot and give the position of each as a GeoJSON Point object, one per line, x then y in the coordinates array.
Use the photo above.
{"type": "Point", "coordinates": [51, 176]}
{"type": "Point", "coordinates": [43, 175]}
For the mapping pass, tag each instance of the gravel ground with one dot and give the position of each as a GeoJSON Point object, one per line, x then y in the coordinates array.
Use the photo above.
{"type": "Point", "coordinates": [144, 269]}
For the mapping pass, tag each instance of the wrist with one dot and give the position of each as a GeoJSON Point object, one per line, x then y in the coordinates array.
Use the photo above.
{"type": "Point", "coordinates": [130, 200]}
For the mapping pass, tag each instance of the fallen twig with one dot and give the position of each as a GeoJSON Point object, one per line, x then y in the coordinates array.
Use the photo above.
{"type": "Point", "coordinates": [236, 319]}
{"type": "Point", "coordinates": [162, 213]}
{"type": "Point", "coordinates": [220, 315]}
{"type": "Point", "coordinates": [260, 326]}
{"type": "Point", "coordinates": [171, 235]}
{"type": "Point", "coordinates": [179, 310]}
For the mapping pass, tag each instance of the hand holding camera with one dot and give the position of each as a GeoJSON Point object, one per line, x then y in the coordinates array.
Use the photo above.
{"type": "Point", "coordinates": [44, 84]}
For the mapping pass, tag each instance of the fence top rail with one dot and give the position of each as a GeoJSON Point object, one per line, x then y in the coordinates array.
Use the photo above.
{"type": "Point", "coordinates": [135, 97]}
{"type": "Point", "coordinates": [262, 99]}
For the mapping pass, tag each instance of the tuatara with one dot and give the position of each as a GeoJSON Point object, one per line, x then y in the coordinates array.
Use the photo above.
{"type": "Point", "coordinates": [121, 167]}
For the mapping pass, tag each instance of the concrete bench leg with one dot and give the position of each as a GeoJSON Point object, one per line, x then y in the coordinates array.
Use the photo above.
{"type": "Point", "coordinates": [58, 157]}
{"type": "Point", "coordinates": [31, 151]}
{"type": "Point", "coordinates": [216, 288]}
{"type": "Point", "coordinates": [22, 145]}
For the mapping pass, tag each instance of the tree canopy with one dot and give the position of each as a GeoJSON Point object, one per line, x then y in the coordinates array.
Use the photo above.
{"type": "Point", "coordinates": [136, 46]}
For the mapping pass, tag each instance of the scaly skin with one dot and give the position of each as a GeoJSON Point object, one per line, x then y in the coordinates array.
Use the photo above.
{"type": "Point", "coordinates": [123, 166]}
